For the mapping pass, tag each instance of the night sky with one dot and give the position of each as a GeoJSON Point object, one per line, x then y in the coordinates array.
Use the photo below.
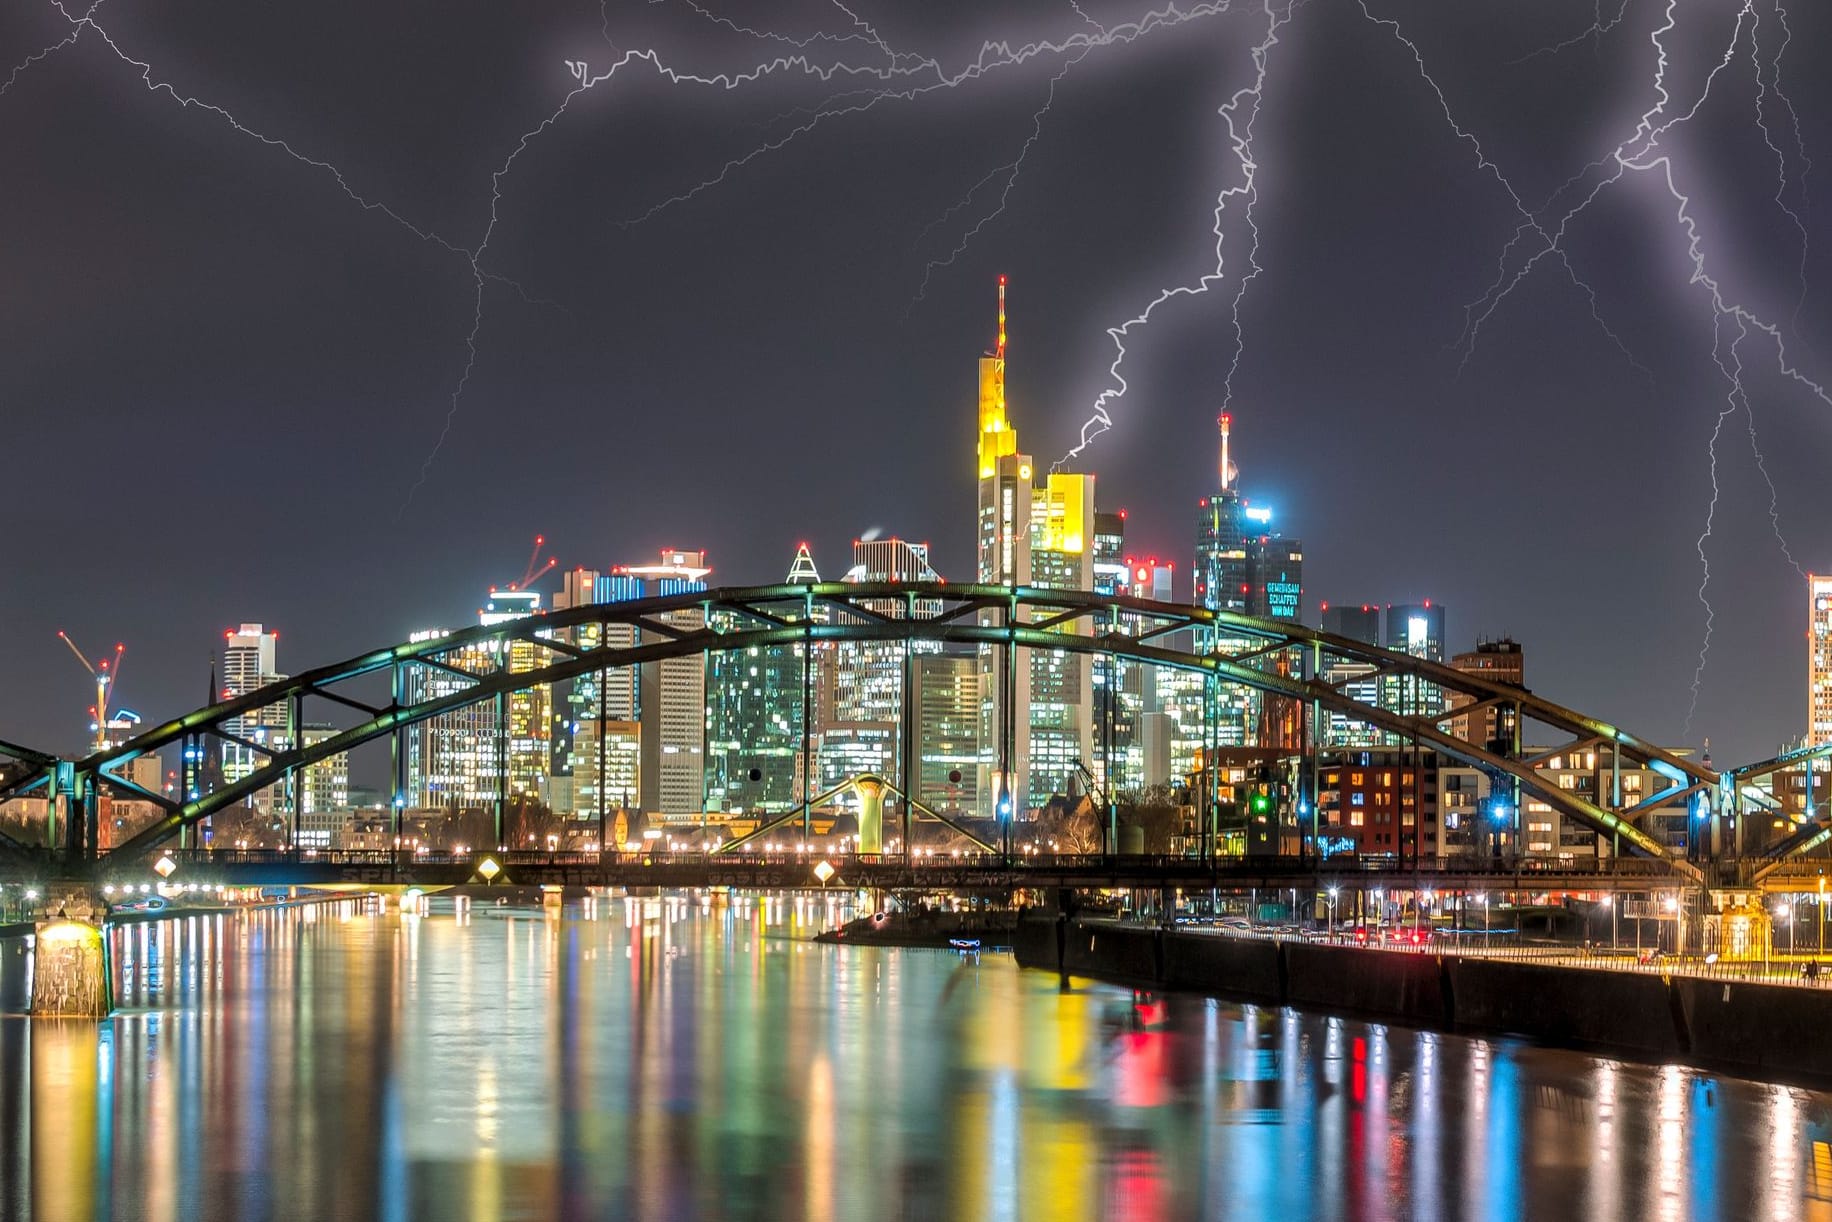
{"type": "Point", "coordinates": [220, 375]}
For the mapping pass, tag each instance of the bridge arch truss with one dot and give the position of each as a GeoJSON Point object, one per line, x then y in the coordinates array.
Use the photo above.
{"type": "Point", "coordinates": [1278, 658]}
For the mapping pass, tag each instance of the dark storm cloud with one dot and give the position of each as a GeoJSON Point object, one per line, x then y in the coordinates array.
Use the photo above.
{"type": "Point", "coordinates": [220, 376]}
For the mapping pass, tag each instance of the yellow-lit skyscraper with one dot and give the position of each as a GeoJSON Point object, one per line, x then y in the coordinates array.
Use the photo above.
{"type": "Point", "coordinates": [1004, 523]}
{"type": "Point", "coordinates": [1029, 533]}
{"type": "Point", "coordinates": [1061, 696]}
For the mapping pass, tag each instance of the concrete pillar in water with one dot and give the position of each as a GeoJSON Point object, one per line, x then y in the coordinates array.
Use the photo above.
{"type": "Point", "coordinates": [551, 898]}
{"type": "Point", "coordinates": [871, 792]}
{"type": "Point", "coordinates": [70, 977]}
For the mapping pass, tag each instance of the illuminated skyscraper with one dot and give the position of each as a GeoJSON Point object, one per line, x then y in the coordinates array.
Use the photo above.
{"type": "Point", "coordinates": [1004, 534]}
{"type": "Point", "coordinates": [946, 704]}
{"type": "Point", "coordinates": [665, 700]}
{"type": "Point", "coordinates": [1110, 575]}
{"type": "Point", "coordinates": [248, 663]}
{"type": "Point", "coordinates": [754, 715]}
{"type": "Point", "coordinates": [1221, 539]}
{"type": "Point", "coordinates": [1417, 630]}
{"type": "Point", "coordinates": [1224, 582]}
{"type": "Point", "coordinates": [1061, 696]}
{"type": "Point", "coordinates": [1819, 659]}
{"type": "Point", "coordinates": [1275, 577]}
{"type": "Point", "coordinates": [528, 713]}
{"type": "Point", "coordinates": [1029, 534]}
{"type": "Point", "coordinates": [486, 752]}
{"type": "Point", "coordinates": [1356, 622]}
{"type": "Point", "coordinates": [452, 759]}
{"type": "Point", "coordinates": [673, 690]}
{"type": "Point", "coordinates": [1004, 477]}
{"type": "Point", "coordinates": [862, 696]}
{"type": "Point", "coordinates": [325, 785]}
{"type": "Point", "coordinates": [1118, 690]}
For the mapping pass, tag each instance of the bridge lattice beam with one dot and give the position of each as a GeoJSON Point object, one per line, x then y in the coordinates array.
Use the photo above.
{"type": "Point", "coordinates": [970, 615]}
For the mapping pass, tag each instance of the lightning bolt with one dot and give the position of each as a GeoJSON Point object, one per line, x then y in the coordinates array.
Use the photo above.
{"type": "Point", "coordinates": [877, 40]}
{"type": "Point", "coordinates": [1774, 497]}
{"type": "Point", "coordinates": [1592, 34]}
{"type": "Point", "coordinates": [54, 48]}
{"type": "Point", "coordinates": [473, 259]}
{"type": "Point", "coordinates": [1733, 374]}
{"type": "Point", "coordinates": [769, 35]}
{"type": "Point", "coordinates": [1083, 14]}
{"type": "Point", "coordinates": [1643, 153]}
{"type": "Point", "coordinates": [1763, 89]}
{"type": "Point", "coordinates": [476, 258]}
{"type": "Point", "coordinates": [1240, 142]}
{"type": "Point", "coordinates": [1010, 169]}
{"type": "Point", "coordinates": [187, 101]}
{"type": "Point", "coordinates": [894, 79]}
{"type": "Point", "coordinates": [1529, 222]}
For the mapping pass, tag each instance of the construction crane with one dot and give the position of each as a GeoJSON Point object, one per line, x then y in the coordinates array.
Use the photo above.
{"type": "Point", "coordinates": [104, 676]}
{"type": "Point", "coordinates": [535, 569]}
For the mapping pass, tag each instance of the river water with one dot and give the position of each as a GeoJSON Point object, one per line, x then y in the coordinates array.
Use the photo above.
{"type": "Point", "coordinates": [678, 1058]}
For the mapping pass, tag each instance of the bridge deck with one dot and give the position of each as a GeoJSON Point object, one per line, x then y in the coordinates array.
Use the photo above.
{"type": "Point", "coordinates": [797, 871]}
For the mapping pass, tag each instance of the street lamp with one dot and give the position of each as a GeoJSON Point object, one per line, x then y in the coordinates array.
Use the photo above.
{"type": "Point", "coordinates": [1330, 931]}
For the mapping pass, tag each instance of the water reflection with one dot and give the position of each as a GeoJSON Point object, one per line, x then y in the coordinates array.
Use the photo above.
{"type": "Point", "coordinates": [675, 1057]}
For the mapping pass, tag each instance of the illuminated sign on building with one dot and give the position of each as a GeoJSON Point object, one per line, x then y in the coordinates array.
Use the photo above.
{"type": "Point", "coordinates": [1282, 598]}
{"type": "Point", "coordinates": [1418, 631]}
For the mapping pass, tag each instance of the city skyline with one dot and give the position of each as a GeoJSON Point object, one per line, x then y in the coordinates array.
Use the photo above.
{"type": "Point", "coordinates": [1156, 608]}
{"type": "Point", "coordinates": [1186, 580]}
{"type": "Point", "coordinates": [281, 373]}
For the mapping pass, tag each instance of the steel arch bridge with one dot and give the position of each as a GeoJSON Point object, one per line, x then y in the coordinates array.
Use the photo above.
{"type": "Point", "coordinates": [1278, 658]}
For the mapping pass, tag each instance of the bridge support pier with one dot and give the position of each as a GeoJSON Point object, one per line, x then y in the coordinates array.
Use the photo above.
{"type": "Point", "coordinates": [70, 976]}
{"type": "Point", "coordinates": [871, 791]}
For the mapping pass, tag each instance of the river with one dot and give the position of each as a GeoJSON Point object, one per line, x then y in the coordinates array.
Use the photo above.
{"type": "Point", "coordinates": [677, 1058]}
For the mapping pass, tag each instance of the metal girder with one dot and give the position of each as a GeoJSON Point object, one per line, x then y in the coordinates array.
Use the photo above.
{"type": "Point", "coordinates": [1261, 652]}
{"type": "Point", "coordinates": [139, 791]}
{"type": "Point", "coordinates": [246, 744]}
{"type": "Point", "coordinates": [38, 770]}
{"type": "Point", "coordinates": [1062, 617]}
{"type": "Point", "coordinates": [782, 609]}
{"type": "Point", "coordinates": [1780, 763]}
{"type": "Point", "coordinates": [1810, 836]}
{"type": "Point", "coordinates": [1665, 797]}
{"type": "Point", "coordinates": [1466, 710]}
{"type": "Point", "coordinates": [1577, 744]}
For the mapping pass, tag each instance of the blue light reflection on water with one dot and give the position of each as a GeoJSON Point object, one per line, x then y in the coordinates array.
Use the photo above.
{"type": "Point", "coordinates": [680, 1057]}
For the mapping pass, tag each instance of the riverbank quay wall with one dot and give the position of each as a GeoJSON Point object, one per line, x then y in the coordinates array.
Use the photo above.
{"type": "Point", "coordinates": [1744, 1026]}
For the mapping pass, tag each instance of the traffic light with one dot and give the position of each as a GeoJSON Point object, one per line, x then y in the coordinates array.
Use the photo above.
{"type": "Point", "coordinates": [1259, 802]}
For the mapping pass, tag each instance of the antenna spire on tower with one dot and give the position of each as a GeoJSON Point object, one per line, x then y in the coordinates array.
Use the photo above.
{"type": "Point", "coordinates": [1001, 349]}
{"type": "Point", "coordinates": [1227, 467]}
